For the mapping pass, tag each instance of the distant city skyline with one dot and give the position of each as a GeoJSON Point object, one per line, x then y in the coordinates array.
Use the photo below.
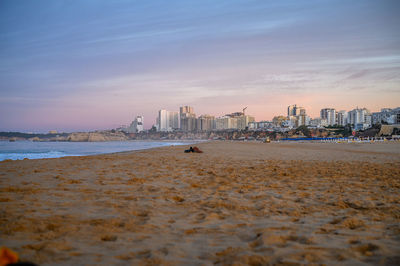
{"type": "Point", "coordinates": [87, 65]}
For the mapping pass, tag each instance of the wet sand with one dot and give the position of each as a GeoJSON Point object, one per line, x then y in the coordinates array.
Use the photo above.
{"type": "Point", "coordinates": [236, 203]}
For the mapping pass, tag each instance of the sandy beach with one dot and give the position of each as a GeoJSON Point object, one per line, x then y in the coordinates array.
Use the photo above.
{"type": "Point", "coordinates": [237, 203]}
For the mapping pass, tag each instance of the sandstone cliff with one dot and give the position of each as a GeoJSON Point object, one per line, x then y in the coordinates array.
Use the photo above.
{"type": "Point", "coordinates": [97, 136]}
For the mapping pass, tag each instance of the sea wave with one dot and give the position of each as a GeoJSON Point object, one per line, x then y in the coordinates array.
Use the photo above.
{"type": "Point", "coordinates": [34, 155]}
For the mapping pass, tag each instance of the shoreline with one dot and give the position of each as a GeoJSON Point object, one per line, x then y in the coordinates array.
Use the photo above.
{"type": "Point", "coordinates": [198, 142]}
{"type": "Point", "coordinates": [238, 202]}
{"type": "Point", "coordinates": [45, 150]}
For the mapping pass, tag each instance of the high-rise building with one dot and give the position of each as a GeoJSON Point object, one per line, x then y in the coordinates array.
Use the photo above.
{"type": "Point", "coordinates": [302, 120]}
{"type": "Point", "coordinates": [297, 116]}
{"type": "Point", "coordinates": [205, 123]}
{"type": "Point", "coordinates": [136, 125]}
{"type": "Point", "coordinates": [243, 121]}
{"type": "Point", "coordinates": [225, 122]}
{"type": "Point", "coordinates": [168, 120]}
{"type": "Point", "coordinates": [237, 120]}
{"type": "Point", "coordinates": [342, 118]}
{"type": "Point", "coordinates": [360, 118]}
{"type": "Point", "coordinates": [330, 115]}
{"type": "Point", "coordinates": [291, 110]}
{"type": "Point", "coordinates": [186, 109]}
{"type": "Point", "coordinates": [187, 118]}
{"type": "Point", "coordinates": [294, 110]}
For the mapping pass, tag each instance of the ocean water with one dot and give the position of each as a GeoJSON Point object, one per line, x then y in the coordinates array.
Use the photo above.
{"type": "Point", "coordinates": [19, 150]}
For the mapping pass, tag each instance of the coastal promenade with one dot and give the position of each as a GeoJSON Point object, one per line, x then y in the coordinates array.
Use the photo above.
{"type": "Point", "coordinates": [238, 202]}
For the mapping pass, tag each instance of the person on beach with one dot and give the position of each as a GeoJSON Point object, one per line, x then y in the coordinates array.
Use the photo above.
{"type": "Point", "coordinates": [195, 149]}
{"type": "Point", "coordinates": [189, 150]}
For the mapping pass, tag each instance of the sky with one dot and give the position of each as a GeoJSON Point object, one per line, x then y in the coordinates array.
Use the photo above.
{"type": "Point", "coordinates": [85, 65]}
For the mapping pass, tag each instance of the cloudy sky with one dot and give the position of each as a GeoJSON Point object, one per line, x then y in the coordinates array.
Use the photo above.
{"type": "Point", "coordinates": [82, 65]}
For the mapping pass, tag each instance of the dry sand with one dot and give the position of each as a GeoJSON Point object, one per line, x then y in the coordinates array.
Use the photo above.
{"type": "Point", "coordinates": [236, 203]}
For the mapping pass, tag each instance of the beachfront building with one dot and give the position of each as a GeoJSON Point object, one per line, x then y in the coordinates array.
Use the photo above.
{"type": "Point", "coordinates": [330, 115]}
{"type": "Point", "coordinates": [303, 120]}
{"type": "Point", "coordinates": [205, 123]}
{"type": "Point", "coordinates": [297, 116]}
{"type": "Point", "coordinates": [341, 118]}
{"type": "Point", "coordinates": [386, 116]}
{"type": "Point", "coordinates": [237, 120]}
{"type": "Point", "coordinates": [187, 118]}
{"type": "Point", "coordinates": [360, 118]}
{"type": "Point", "coordinates": [225, 122]}
{"type": "Point", "coordinates": [262, 125]}
{"type": "Point", "coordinates": [318, 122]}
{"type": "Point", "coordinates": [136, 125]}
{"type": "Point", "coordinates": [243, 121]}
{"type": "Point", "coordinates": [168, 120]}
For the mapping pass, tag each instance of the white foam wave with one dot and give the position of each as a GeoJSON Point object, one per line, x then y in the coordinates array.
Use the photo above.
{"type": "Point", "coordinates": [37, 155]}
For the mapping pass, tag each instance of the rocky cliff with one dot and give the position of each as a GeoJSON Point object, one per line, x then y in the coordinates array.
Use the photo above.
{"type": "Point", "coordinates": [97, 136]}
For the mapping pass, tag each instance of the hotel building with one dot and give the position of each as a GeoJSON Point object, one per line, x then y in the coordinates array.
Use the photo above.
{"type": "Point", "coordinates": [167, 120]}
{"type": "Point", "coordinates": [187, 118]}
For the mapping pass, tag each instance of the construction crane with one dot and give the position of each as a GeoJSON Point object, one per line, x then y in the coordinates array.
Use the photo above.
{"type": "Point", "coordinates": [244, 109]}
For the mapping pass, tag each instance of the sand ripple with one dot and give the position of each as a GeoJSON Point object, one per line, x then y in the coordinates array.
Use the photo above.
{"type": "Point", "coordinates": [237, 203]}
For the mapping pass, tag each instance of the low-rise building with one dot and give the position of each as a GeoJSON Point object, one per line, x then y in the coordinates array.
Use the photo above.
{"type": "Point", "coordinates": [278, 120]}
{"type": "Point", "coordinates": [386, 116]}
{"type": "Point", "coordinates": [318, 122]}
{"type": "Point", "coordinates": [262, 125]}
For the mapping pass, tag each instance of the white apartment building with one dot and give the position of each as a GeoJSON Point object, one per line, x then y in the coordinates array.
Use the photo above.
{"type": "Point", "coordinates": [303, 120]}
{"type": "Point", "coordinates": [386, 115]}
{"type": "Point", "coordinates": [262, 125]}
{"type": "Point", "coordinates": [168, 120]}
{"type": "Point", "coordinates": [330, 115]}
{"type": "Point", "coordinates": [360, 118]}
{"type": "Point", "coordinates": [136, 125]}
{"type": "Point", "coordinates": [318, 122]}
{"type": "Point", "coordinates": [342, 118]}
{"type": "Point", "coordinates": [236, 120]}
{"type": "Point", "coordinates": [225, 122]}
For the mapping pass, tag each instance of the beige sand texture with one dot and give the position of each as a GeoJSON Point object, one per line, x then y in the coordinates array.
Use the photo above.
{"type": "Point", "coordinates": [235, 204]}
